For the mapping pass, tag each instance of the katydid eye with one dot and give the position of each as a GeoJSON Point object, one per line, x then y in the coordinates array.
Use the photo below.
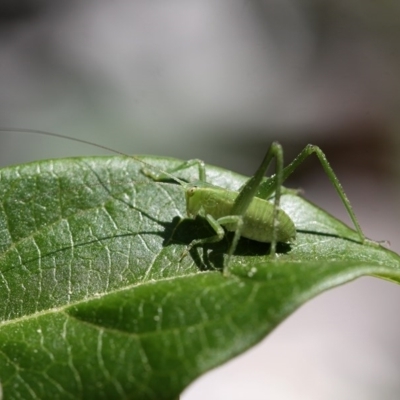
{"type": "Point", "coordinates": [192, 190]}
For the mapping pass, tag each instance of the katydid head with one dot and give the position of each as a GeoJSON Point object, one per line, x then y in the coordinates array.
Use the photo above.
{"type": "Point", "coordinates": [197, 197]}
{"type": "Point", "coordinates": [192, 204]}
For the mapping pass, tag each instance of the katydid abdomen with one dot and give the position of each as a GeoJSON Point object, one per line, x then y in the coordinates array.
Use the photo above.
{"type": "Point", "coordinates": [258, 220]}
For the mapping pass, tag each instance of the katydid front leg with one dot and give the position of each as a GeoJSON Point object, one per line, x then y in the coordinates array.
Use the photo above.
{"type": "Point", "coordinates": [160, 175]}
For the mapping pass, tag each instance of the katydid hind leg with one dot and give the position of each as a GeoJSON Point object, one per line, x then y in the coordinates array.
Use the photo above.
{"type": "Point", "coordinates": [249, 190]}
{"type": "Point", "coordinates": [304, 154]}
{"type": "Point", "coordinates": [268, 187]}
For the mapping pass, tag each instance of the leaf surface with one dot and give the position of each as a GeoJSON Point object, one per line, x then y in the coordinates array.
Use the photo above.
{"type": "Point", "coordinates": [96, 301]}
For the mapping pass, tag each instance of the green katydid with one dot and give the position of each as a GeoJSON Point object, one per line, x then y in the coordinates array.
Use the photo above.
{"type": "Point", "coordinates": [244, 212]}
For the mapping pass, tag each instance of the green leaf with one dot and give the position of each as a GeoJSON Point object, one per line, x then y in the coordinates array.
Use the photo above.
{"type": "Point", "coordinates": [96, 302]}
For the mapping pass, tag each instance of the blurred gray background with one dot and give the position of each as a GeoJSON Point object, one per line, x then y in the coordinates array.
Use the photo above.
{"type": "Point", "coordinates": [219, 80]}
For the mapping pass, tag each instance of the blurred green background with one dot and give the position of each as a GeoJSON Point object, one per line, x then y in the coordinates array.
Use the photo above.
{"type": "Point", "coordinates": [219, 80]}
